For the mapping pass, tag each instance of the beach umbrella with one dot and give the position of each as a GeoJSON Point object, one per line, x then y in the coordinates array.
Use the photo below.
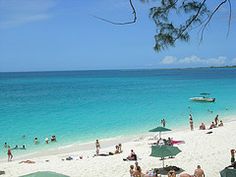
{"type": "Point", "coordinates": [44, 174]}
{"type": "Point", "coordinates": [160, 129]}
{"type": "Point", "coordinates": [227, 172]}
{"type": "Point", "coordinates": [164, 151]}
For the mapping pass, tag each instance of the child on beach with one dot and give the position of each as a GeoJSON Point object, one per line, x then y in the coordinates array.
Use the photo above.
{"type": "Point", "coordinates": [9, 154]}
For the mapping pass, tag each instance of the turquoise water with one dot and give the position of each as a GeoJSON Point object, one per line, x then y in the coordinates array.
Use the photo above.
{"type": "Point", "coordinates": [87, 105]}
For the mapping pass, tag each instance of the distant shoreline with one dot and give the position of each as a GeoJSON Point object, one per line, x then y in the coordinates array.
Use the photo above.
{"type": "Point", "coordinates": [121, 69]}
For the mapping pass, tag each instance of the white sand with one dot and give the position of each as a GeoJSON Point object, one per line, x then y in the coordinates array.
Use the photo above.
{"type": "Point", "coordinates": [211, 151]}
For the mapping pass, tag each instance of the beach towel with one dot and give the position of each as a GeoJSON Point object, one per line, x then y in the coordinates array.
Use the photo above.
{"type": "Point", "coordinates": [177, 142]}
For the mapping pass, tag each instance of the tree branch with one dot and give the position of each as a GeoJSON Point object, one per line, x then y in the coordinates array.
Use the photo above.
{"type": "Point", "coordinates": [195, 16]}
{"type": "Point", "coordinates": [209, 19]}
{"type": "Point", "coordinates": [230, 16]}
{"type": "Point", "coordinates": [122, 23]}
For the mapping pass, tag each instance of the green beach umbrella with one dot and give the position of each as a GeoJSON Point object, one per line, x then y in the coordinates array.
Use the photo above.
{"type": "Point", "coordinates": [164, 151]}
{"type": "Point", "coordinates": [160, 129]}
{"type": "Point", "coordinates": [227, 172]}
{"type": "Point", "coordinates": [44, 174]}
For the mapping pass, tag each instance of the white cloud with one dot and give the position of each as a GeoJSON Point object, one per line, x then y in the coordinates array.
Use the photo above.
{"type": "Point", "coordinates": [233, 61]}
{"type": "Point", "coordinates": [168, 60]}
{"type": "Point", "coordinates": [194, 60]}
{"type": "Point", "coordinates": [18, 12]}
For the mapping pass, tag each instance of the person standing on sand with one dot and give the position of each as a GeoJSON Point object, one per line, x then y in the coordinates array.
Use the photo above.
{"type": "Point", "coordinates": [232, 151]}
{"type": "Point", "coordinates": [216, 119]}
{"type": "Point", "coordinates": [199, 172]}
{"type": "Point", "coordinates": [97, 144]}
{"type": "Point", "coordinates": [9, 154]}
{"type": "Point", "coordinates": [191, 122]}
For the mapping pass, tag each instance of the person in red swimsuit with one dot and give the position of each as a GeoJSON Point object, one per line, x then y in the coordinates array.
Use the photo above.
{"type": "Point", "coordinates": [10, 156]}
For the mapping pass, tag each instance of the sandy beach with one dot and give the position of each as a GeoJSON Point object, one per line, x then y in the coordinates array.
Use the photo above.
{"type": "Point", "coordinates": [211, 151]}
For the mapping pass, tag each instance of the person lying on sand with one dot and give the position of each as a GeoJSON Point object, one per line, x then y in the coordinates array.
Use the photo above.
{"type": "Point", "coordinates": [27, 161]}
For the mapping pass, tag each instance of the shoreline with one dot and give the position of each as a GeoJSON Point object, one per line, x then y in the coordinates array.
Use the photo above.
{"type": "Point", "coordinates": [106, 143]}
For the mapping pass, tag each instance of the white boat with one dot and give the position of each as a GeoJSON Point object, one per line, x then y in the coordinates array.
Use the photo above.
{"type": "Point", "coordinates": [203, 99]}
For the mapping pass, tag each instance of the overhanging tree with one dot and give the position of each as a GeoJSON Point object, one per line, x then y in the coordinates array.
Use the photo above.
{"type": "Point", "coordinates": [191, 13]}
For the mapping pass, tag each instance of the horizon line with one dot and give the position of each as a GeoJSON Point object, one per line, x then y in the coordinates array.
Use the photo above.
{"type": "Point", "coordinates": [121, 69]}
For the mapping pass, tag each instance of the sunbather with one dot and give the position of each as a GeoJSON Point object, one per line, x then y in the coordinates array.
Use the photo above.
{"type": "Point", "coordinates": [221, 124]}
{"type": "Point", "coordinates": [202, 126]}
{"type": "Point", "coordinates": [132, 156]}
{"type": "Point", "coordinates": [27, 161]}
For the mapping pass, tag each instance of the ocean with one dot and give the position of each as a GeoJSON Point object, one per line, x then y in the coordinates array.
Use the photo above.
{"type": "Point", "coordinates": [81, 106]}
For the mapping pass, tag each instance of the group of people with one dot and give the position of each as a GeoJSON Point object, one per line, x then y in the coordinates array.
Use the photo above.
{"type": "Point", "coordinates": [9, 150]}
{"type": "Point", "coordinates": [118, 149]}
{"type": "Point", "coordinates": [136, 171]}
{"type": "Point", "coordinates": [214, 124]}
{"type": "Point", "coordinates": [53, 139]}
{"type": "Point", "coordinates": [23, 147]}
{"type": "Point", "coordinates": [199, 172]}
{"type": "Point", "coordinates": [168, 142]}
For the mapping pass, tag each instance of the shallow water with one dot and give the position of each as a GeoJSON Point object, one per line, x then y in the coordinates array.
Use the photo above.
{"type": "Point", "coordinates": [86, 105]}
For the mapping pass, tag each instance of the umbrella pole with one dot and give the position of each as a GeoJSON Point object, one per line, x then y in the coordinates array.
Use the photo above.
{"type": "Point", "coordinates": [159, 135]}
{"type": "Point", "coordinates": [163, 163]}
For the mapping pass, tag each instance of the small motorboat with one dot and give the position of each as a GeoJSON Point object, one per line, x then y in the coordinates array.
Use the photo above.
{"type": "Point", "coordinates": [203, 99]}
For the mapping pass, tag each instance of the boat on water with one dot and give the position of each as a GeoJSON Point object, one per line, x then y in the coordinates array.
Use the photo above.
{"type": "Point", "coordinates": [203, 99]}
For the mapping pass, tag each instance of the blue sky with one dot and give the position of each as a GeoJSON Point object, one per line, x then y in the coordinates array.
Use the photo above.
{"type": "Point", "coordinates": [45, 35]}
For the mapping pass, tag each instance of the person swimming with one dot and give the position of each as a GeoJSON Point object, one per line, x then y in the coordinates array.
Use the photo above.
{"type": "Point", "coordinates": [36, 140]}
{"type": "Point", "coordinates": [16, 147]}
{"type": "Point", "coordinates": [5, 145]}
{"type": "Point", "coordinates": [23, 147]}
{"type": "Point", "coordinates": [53, 138]}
